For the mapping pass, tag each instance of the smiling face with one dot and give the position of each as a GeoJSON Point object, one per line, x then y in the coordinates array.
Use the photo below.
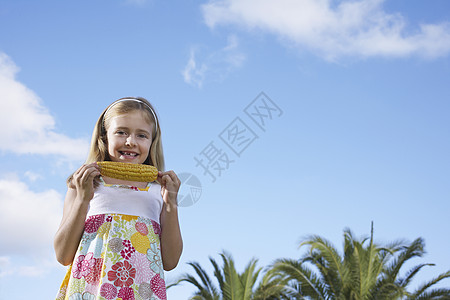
{"type": "Point", "coordinates": [129, 137]}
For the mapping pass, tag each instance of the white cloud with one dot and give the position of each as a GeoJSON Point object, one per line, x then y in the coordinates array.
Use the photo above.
{"type": "Point", "coordinates": [349, 28]}
{"type": "Point", "coordinates": [28, 127]}
{"type": "Point", "coordinates": [32, 176]}
{"type": "Point", "coordinates": [28, 223]}
{"type": "Point", "coordinates": [24, 267]}
{"type": "Point", "coordinates": [38, 269]}
{"type": "Point", "coordinates": [5, 266]}
{"type": "Point", "coordinates": [28, 219]}
{"type": "Point", "coordinates": [214, 66]}
{"type": "Point", "coordinates": [192, 73]}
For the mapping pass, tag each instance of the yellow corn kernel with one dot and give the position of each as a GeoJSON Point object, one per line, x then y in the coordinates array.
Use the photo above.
{"type": "Point", "coordinates": [128, 171]}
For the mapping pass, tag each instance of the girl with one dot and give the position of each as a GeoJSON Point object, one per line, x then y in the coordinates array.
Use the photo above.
{"type": "Point", "coordinates": [119, 236]}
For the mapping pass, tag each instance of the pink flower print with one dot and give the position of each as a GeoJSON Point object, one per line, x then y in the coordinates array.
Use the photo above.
{"type": "Point", "coordinates": [128, 249]}
{"type": "Point", "coordinates": [93, 223]}
{"type": "Point", "coordinates": [158, 287]}
{"type": "Point", "coordinates": [122, 274]}
{"type": "Point", "coordinates": [83, 265]}
{"type": "Point", "coordinates": [91, 289]}
{"type": "Point", "coordinates": [109, 219]}
{"type": "Point", "coordinates": [94, 276]}
{"type": "Point", "coordinates": [126, 293]}
{"type": "Point", "coordinates": [142, 265]}
{"type": "Point", "coordinates": [108, 291]}
{"type": "Point", "coordinates": [141, 228]}
{"type": "Point", "coordinates": [156, 228]}
{"type": "Point", "coordinates": [76, 267]}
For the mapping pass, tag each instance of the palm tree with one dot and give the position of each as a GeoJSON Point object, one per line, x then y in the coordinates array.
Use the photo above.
{"type": "Point", "coordinates": [363, 271]}
{"type": "Point", "coordinates": [233, 285]}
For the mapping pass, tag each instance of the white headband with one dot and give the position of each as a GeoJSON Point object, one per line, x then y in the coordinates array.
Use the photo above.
{"type": "Point", "coordinates": [135, 100]}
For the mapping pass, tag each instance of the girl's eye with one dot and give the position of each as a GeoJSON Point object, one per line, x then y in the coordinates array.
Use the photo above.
{"type": "Point", "coordinates": [142, 136]}
{"type": "Point", "coordinates": [120, 132]}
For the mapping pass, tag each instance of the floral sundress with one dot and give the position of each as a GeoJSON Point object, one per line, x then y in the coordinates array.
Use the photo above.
{"type": "Point", "coordinates": [119, 257]}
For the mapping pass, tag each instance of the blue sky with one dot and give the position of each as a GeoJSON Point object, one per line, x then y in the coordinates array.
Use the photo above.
{"type": "Point", "coordinates": [361, 134]}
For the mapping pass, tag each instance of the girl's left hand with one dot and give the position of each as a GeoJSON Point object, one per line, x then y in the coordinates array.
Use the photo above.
{"type": "Point", "coordinates": [170, 184]}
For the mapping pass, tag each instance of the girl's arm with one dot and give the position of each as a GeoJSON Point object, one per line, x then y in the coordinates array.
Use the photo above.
{"type": "Point", "coordinates": [76, 205]}
{"type": "Point", "coordinates": [171, 241]}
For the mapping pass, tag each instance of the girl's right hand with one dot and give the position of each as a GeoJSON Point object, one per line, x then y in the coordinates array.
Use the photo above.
{"type": "Point", "coordinates": [83, 181]}
{"type": "Point", "coordinates": [76, 205]}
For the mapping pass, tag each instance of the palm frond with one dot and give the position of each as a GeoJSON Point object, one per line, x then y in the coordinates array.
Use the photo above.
{"type": "Point", "coordinates": [309, 285]}
{"type": "Point", "coordinates": [232, 288]}
{"type": "Point", "coordinates": [205, 288]}
{"type": "Point", "coordinates": [364, 271]}
{"type": "Point", "coordinates": [387, 290]}
{"type": "Point", "coordinates": [218, 273]}
{"type": "Point", "coordinates": [436, 294]}
{"type": "Point", "coordinates": [324, 256]}
{"type": "Point", "coordinates": [274, 285]}
{"type": "Point", "coordinates": [422, 290]}
{"type": "Point", "coordinates": [248, 279]}
{"type": "Point", "coordinates": [411, 273]}
{"type": "Point", "coordinates": [415, 249]}
{"type": "Point", "coordinates": [207, 283]}
{"type": "Point", "coordinates": [186, 278]}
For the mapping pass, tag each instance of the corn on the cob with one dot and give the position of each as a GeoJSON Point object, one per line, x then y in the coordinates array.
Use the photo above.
{"type": "Point", "coordinates": [128, 171]}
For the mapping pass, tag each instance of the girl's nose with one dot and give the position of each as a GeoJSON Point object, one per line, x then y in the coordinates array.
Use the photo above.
{"type": "Point", "coordinates": [130, 141]}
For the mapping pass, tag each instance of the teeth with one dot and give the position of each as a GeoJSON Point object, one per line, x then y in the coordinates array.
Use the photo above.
{"type": "Point", "coordinates": [129, 153]}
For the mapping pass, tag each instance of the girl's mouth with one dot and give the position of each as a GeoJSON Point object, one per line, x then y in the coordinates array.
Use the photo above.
{"type": "Point", "coordinates": [128, 154]}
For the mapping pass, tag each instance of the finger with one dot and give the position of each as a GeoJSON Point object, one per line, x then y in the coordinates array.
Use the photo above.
{"type": "Point", "coordinates": [83, 178]}
{"type": "Point", "coordinates": [88, 173]}
{"type": "Point", "coordinates": [174, 178]}
{"type": "Point", "coordinates": [91, 167]}
{"type": "Point", "coordinates": [164, 176]}
{"type": "Point", "coordinates": [95, 166]}
{"type": "Point", "coordinates": [71, 184]}
{"type": "Point", "coordinates": [171, 174]}
{"type": "Point", "coordinates": [78, 174]}
{"type": "Point", "coordinates": [168, 180]}
{"type": "Point", "coordinates": [159, 178]}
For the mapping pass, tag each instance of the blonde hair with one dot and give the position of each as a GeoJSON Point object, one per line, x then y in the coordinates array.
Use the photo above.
{"type": "Point", "coordinates": [99, 143]}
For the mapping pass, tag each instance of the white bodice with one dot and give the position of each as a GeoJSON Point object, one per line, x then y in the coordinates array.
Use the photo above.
{"type": "Point", "coordinates": [128, 201]}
